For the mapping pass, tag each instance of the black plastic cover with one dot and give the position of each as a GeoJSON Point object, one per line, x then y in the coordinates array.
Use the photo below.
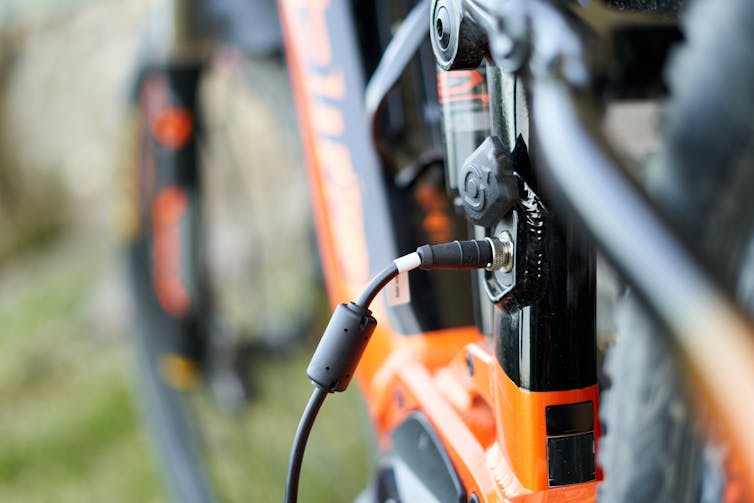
{"type": "Point", "coordinates": [569, 418]}
{"type": "Point", "coordinates": [487, 185]}
{"type": "Point", "coordinates": [418, 446]}
{"type": "Point", "coordinates": [570, 459]}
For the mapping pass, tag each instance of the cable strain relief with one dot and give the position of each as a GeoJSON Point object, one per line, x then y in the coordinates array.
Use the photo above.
{"type": "Point", "coordinates": [426, 256]}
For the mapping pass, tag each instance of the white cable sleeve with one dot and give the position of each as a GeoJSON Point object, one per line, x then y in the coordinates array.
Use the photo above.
{"type": "Point", "coordinates": [407, 262]}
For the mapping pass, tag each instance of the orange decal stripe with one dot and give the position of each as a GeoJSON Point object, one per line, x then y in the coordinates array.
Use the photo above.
{"type": "Point", "coordinates": [457, 86]}
{"type": "Point", "coordinates": [172, 127]}
{"type": "Point", "coordinates": [167, 210]}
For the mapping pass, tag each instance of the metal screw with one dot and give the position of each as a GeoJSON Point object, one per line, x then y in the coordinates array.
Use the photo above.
{"type": "Point", "coordinates": [442, 26]}
{"type": "Point", "coordinates": [470, 364]}
{"type": "Point", "coordinates": [473, 498]}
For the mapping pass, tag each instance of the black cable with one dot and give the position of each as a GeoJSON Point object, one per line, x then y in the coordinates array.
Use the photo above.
{"type": "Point", "coordinates": [299, 443]}
{"type": "Point", "coordinates": [351, 325]}
{"type": "Point", "coordinates": [378, 283]}
{"type": "Point", "coordinates": [318, 396]}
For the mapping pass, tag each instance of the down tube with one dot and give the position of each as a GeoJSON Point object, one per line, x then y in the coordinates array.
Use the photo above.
{"type": "Point", "coordinates": [348, 193]}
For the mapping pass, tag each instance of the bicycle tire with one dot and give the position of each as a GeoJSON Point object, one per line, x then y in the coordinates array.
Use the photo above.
{"type": "Point", "coordinates": [163, 324]}
{"type": "Point", "coordinates": [170, 411]}
{"type": "Point", "coordinates": [654, 448]}
{"type": "Point", "coordinates": [168, 422]}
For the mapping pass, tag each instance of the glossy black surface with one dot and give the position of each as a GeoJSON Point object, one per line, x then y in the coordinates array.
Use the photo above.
{"type": "Point", "coordinates": [550, 345]}
{"type": "Point", "coordinates": [569, 418]}
{"type": "Point", "coordinates": [570, 459]}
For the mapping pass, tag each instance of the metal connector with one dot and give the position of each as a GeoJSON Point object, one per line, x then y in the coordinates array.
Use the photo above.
{"type": "Point", "coordinates": [502, 253]}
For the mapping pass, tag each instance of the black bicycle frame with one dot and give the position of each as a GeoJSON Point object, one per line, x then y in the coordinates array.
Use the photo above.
{"type": "Point", "coordinates": [571, 58]}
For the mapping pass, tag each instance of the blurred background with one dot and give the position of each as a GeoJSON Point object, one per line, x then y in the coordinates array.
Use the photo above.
{"type": "Point", "coordinates": [70, 411]}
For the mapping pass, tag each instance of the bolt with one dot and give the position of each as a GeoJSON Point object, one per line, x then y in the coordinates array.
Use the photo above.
{"type": "Point", "coordinates": [473, 498]}
{"type": "Point", "coordinates": [470, 364]}
{"type": "Point", "coordinates": [400, 401]}
{"type": "Point", "coordinates": [442, 27]}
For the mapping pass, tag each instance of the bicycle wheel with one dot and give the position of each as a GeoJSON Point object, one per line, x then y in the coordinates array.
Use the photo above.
{"type": "Point", "coordinates": [167, 279]}
{"type": "Point", "coordinates": [654, 448]}
{"type": "Point", "coordinates": [223, 276]}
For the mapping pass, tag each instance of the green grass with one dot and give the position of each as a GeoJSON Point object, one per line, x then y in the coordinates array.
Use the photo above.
{"type": "Point", "coordinates": [337, 460]}
{"type": "Point", "coordinates": [70, 429]}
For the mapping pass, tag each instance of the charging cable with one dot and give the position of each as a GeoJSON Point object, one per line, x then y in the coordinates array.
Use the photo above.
{"type": "Point", "coordinates": [351, 326]}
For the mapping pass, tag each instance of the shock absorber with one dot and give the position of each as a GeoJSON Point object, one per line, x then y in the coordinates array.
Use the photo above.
{"type": "Point", "coordinates": [466, 121]}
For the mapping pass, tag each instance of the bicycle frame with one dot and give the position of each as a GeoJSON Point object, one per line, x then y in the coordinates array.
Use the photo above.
{"type": "Point", "coordinates": [448, 399]}
{"type": "Point", "coordinates": [493, 438]}
{"type": "Point", "coordinates": [474, 413]}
